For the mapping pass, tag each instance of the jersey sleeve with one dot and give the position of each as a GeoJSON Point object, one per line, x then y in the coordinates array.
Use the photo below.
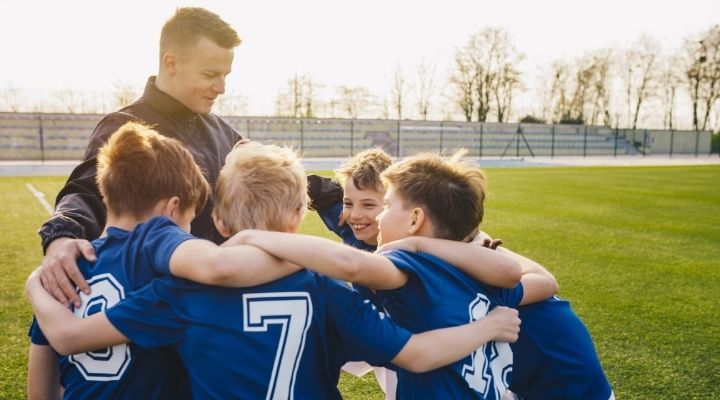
{"type": "Point", "coordinates": [36, 334]}
{"type": "Point", "coordinates": [512, 297]}
{"type": "Point", "coordinates": [366, 334]}
{"type": "Point", "coordinates": [147, 316]}
{"type": "Point", "coordinates": [160, 238]}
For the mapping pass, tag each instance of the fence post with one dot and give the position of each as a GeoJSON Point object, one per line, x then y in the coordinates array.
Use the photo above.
{"type": "Point", "coordinates": [352, 137]}
{"type": "Point", "coordinates": [480, 148]}
{"type": "Point", "coordinates": [302, 135]}
{"type": "Point", "coordinates": [517, 141]}
{"type": "Point", "coordinates": [585, 142]}
{"type": "Point", "coordinates": [615, 144]}
{"type": "Point", "coordinates": [672, 141]}
{"type": "Point", "coordinates": [247, 128]}
{"type": "Point", "coordinates": [697, 141]}
{"type": "Point", "coordinates": [397, 141]}
{"type": "Point", "coordinates": [644, 142]}
{"type": "Point", "coordinates": [441, 136]}
{"type": "Point", "coordinates": [552, 142]}
{"type": "Point", "coordinates": [41, 132]}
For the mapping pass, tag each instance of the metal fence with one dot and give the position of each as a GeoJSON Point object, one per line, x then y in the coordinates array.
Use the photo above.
{"type": "Point", "coordinates": [27, 136]}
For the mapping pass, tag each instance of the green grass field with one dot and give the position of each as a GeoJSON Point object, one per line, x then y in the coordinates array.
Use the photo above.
{"type": "Point", "coordinates": [636, 250]}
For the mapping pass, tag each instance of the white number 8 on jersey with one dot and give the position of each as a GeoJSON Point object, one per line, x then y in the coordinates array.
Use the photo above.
{"type": "Point", "coordinates": [108, 364]}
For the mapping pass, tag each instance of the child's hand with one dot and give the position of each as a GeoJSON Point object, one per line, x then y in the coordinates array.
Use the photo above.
{"type": "Point", "coordinates": [409, 243]}
{"type": "Point", "coordinates": [506, 322]}
{"type": "Point", "coordinates": [485, 240]}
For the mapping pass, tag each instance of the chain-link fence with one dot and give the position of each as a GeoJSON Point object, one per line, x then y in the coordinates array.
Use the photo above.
{"type": "Point", "coordinates": [28, 136]}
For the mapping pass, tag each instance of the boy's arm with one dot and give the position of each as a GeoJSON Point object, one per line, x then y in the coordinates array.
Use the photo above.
{"type": "Point", "coordinates": [481, 263]}
{"type": "Point", "coordinates": [327, 257]}
{"type": "Point", "coordinates": [43, 380]}
{"type": "Point", "coordinates": [440, 347]}
{"type": "Point", "coordinates": [67, 333]}
{"type": "Point", "coordinates": [232, 266]}
{"type": "Point", "coordinates": [538, 283]}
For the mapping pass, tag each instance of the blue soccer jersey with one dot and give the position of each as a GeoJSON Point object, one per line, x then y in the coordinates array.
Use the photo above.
{"type": "Point", "coordinates": [330, 217]}
{"type": "Point", "coordinates": [126, 261]}
{"type": "Point", "coordinates": [286, 339]}
{"type": "Point", "coordinates": [555, 357]}
{"type": "Point", "coordinates": [438, 295]}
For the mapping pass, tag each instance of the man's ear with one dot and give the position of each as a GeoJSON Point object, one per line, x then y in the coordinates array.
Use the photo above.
{"type": "Point", "coordinates": [169, 63]}
{"type": "Point", "coordinates": [220, 226]}
{"type": "Point", "coordinates": [418, 219]}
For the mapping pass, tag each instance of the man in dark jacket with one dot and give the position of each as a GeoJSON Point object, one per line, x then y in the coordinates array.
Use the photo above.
{"type": "Point", "coordinates": [196, 54]}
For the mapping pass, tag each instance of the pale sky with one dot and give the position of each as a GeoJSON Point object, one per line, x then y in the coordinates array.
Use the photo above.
{"type": "Point", "coordinates": [89, 45]}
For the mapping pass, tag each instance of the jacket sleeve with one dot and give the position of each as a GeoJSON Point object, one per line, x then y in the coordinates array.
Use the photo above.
{"type": "Point", "coordinates": [323, 192]}
{"type": "Point", "coordinates": [79, 210]}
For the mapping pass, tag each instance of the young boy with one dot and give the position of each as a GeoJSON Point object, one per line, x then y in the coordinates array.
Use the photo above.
{"type": "Point", "coordinates": [150, 186]}
{"type": "Point", "coordinates": [279, 340]}
{"type": "Point", "coordinates": [429, 197]}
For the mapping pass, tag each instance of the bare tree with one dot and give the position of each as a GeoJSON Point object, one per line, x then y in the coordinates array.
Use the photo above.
{"type": "Point", "coordinates": [11, 97]}
{"type": "Point", "coordinates": [669, 80]}
{"type": "Point", "coordinates": [558, 102]}
{"type": "Point", "coordinates": [124, 94]}
{"type": "Point", "coordinates": [463, 80]}
{"type": "Point", "coordinates": [398, 92]}
{"type": "Point", "coordinates": [298, 98]}
{"type": "Point", "coordinates": [703, 75]}
{"type": "Point", "coordinates": [353, 101]}
{"type": "Point", "coordinates": [231, 104]}
{"type": "Point", "coordinates": [424, 88]}
{"type": "Point", "coordinates": [490, 59]}
{"type": "Point", "coordinates": [69, 100]}
{"type": "Point", "coordinates": [640, 75]}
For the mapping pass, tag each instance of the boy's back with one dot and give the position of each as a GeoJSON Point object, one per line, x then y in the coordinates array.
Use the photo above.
{"type": "Point", "coordinates": [555, 357]}
{"type": "Point", "coordinates": [123, 371]}
{"type": "Point", "coordinates": [439, 295]}
{"type": "Point", "coordinates": [284, 339]}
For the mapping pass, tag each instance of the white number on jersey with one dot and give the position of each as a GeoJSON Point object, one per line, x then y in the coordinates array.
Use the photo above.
{"type": "Point", "coordinates": [491, 363]}
{"type": "Point", "coordinates": [293, 311]}
{"type": "Point", "coordinates": [108, 364]}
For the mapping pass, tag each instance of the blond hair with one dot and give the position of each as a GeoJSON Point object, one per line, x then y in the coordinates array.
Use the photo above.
{"type": "Point", "coordinates": [451, 191]}
{"type": "Point", "coordinates": [259, 186]}
{"type": "Point", "coordinates": [365, 169]}
{"type": "Point", "coordinates": [138, 167]}
{"type": "Point", "coordinates": [189, 24]}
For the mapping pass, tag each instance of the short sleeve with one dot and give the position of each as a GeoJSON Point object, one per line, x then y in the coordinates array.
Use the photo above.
{"type": "Point", "coordinates": [160, 238]}
{"type": "Point", "coordinates": [147, 316]}
{"type": "Point", "coordinates": [512, 297]}
{"type": "Point", "coordinates": [367, 334]}
{"type": "Point", "coordinates": [36, 334]}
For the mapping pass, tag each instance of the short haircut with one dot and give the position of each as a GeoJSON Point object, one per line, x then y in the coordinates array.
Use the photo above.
{"type": "Point", "coordinates": [188, 24]}
{"type": "Point", "coordinates": [450, 190]}
{"type": "Point", "coordinates": [365, 169]}
{"type": "Point", "coordinates": [138, 167]}
{"type": "Point", "coordinates": [259, 186]}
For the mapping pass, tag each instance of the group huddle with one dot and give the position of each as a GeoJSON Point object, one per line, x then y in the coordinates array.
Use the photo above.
{"type": "Point", "coordinates": [197, 285]}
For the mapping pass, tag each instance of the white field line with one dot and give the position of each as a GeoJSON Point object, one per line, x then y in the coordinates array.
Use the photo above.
{"type": "Point", "coordinates": [40, 197]}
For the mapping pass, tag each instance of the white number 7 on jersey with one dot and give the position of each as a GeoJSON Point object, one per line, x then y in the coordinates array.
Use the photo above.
{"type": "Point", "coordinates": [293, 311]}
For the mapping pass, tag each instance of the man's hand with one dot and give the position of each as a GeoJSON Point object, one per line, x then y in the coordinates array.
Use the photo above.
{"type": "Point", "coordinates": [507, 324]}
{"type": "Point", "coordinates": [60, 273]}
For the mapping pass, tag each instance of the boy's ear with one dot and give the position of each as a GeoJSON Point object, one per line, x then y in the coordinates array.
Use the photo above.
{"type": "Point", "coordinates": [220, 226]}
{"type": "Point", "coordinates": [417, 221]}
{"type": "Point", "coordinates": [172, 206]}
{"type": "Point", "coordinates": [295, 220]}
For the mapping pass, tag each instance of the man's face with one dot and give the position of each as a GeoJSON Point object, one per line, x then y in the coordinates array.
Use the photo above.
{"type": "Point", "coordinates": [396, 219]}
{"type": "Point", "coordinates": [200, 75]}
{"type": "Point", "coordinates": [361, 208]}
